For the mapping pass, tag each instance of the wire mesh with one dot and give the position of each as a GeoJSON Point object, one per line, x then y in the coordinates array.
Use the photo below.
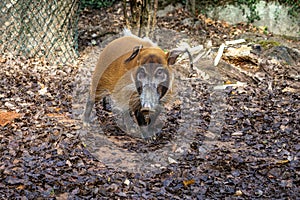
{"type": "Point", "coordinates": [40, 28]}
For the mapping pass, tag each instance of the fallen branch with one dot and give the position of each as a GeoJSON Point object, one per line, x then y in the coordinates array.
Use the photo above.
{"type": "Point", "coordinates": [232, 42]}
{"type": "Point", "coordinates": [219, 55]}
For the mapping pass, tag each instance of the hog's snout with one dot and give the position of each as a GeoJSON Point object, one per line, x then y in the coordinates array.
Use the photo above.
{"type": "Point", "coordinates": [149, 99]}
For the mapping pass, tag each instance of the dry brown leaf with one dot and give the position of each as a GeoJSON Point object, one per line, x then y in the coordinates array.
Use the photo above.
{"type": "Point", "coordinates": [209, 21]}
{"type": "Point", "coordinates": [2, 60]}
{"type": "Point", "coordinates": [238, 193]}
{"type": "Point", "coordinates": [8, 117]}
{"type": "Point", "coordinates": [21, 187]}
{"type": "Point", "coordinates": [62, 196]}
{"type": "Point", "coordinates": [282, 162]}
{"type": "Point", "coordinates": [61, 117]}
{"type": "Point", "coordinates": [188, 182]}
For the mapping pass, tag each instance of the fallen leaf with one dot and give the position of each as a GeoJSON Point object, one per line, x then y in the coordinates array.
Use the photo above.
{"type": "Point", "coordinates": [238, 193]}
{"type": "Point", "coordinates": [171, 160]}
{"type": "Point", "coordinates": [238, 133]}
{"type": "Point", "coordinates": [188, 182]}
{"type": "Point", "coordinates": [61, 117]}
{"type": "Point", "coordinates": [126, 182]}
{"type": "Point", "coordinates": [43, 91]}
{"type": "Point", "coordinates": [21, 187]}
{"type": "Point", "coordinates": [2, 60]}
{"type": "Point", "coordinates": [62, 196]}
{"type": "Point", "coordinates": [289, 89]}
{"type": "Point", "coordinates": [8, 117]}
{"type": "Point", "coordinates": [281, 162]}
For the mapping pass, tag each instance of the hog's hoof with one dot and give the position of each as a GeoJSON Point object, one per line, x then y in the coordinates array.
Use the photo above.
{"type": "Point", "coordinates": [149, 134]}
{"type": "Point", "coordinates": [86, 122]}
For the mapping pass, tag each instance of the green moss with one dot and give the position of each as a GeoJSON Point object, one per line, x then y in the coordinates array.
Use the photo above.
{"type": "Point", "coordinates": [267, 44]}
{"type": "Point", "coordinates": [296, 39]}
{"type": "Point", "coordinates": [96, 3]}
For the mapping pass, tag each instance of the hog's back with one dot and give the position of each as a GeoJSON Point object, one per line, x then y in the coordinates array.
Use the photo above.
{"type": "Point", "coordinates": [113, 51]}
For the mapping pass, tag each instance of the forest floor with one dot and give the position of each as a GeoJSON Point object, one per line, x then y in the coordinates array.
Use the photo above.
{"type": "Point", "coordinates": [240, 142]}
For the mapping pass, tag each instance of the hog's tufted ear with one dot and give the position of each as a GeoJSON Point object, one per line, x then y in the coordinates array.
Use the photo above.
{"type": "Point", "coordinates": [173, 55]}
{"type": "Point", "coordinates": [135, 52]}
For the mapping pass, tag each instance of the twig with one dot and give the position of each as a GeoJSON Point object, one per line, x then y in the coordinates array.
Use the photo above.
{"type": "Point", "coordinates": [125, 14]}
{"type": "Point", "coordinates": [154, 17]}
{"type": "Point", "coordinates": [150, 10]}
{"type": "Point", "coordinates": [219, 55]}
{"type": "Point", "coordinates": [234, 42]}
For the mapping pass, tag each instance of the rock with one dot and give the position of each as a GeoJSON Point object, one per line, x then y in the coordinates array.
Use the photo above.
{"type": "Point", "coordinates": [284, 54]}
{"type": "Point", "coordinates": [165, 11]}
{"type": "Point", "coordinates": [187, 22]}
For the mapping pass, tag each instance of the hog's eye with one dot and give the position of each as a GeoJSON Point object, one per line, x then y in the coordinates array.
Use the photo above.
{"type": "Point", "coordinates": [141, 74]}
{"type": "Point", "coordinates": [159, 72]}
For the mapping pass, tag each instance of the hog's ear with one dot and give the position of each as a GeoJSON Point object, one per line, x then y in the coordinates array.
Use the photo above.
{"type": "Point", "coordinates": [173, 55]}
{"type": "Point", "coordinates": [135, 52]}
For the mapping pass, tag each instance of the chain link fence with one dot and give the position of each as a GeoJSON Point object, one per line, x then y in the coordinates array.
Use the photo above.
{"type": "Point", "coordinates": [40, 28]}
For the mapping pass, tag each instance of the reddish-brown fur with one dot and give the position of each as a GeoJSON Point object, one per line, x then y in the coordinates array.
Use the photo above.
{"type": "Point", "coordinates": [116, 68]}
